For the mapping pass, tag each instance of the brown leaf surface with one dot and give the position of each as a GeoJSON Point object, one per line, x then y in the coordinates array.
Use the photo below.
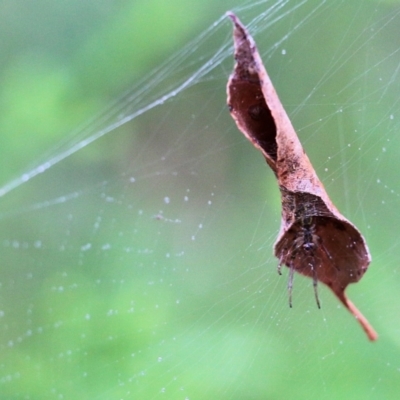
{"type": "Point", "coordinates": [315, 240]}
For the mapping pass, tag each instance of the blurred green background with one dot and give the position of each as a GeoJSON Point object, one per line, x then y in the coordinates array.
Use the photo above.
{"type": "Point", "coordinates": [138, 264]}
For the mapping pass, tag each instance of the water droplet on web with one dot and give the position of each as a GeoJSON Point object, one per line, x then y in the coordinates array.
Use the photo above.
{"type": "Point", "coordinates": [166, 200]}
{"type": "Point", "coordinates": [43, 167]}
{"type": "Point", "coordinates": [86, 247]}
{"type": "Point", "coordinates": [283, 52]}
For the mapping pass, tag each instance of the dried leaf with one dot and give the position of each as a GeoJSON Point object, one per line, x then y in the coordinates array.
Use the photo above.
{"type": "Point", "coordinates": [315, 240]}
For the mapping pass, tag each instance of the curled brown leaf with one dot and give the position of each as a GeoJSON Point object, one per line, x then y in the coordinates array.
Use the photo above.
{"type": "Point", "coordinates": [315, 240]}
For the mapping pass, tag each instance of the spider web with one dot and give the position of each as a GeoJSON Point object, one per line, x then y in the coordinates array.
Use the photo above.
{"type": "Point", "coordinates": [136, 253]}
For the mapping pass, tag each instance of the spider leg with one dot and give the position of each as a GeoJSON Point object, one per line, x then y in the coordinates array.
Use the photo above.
{"type": "Point", "coordinates": [279, 269]}
{"type": "Point", "coordinates": [315, 284]}
{"type": "Point", "coordinates": [290, 283]}
{"type": "Point", "coordinates": [326, 251]}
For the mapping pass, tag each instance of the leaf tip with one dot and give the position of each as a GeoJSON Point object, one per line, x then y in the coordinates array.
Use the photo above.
{"type": "Point", "coordinates": [239, 28]}
{"type": "Point", "coordinates": [231, 15]}
{"type": "Point", "coordinates": [367, 327]}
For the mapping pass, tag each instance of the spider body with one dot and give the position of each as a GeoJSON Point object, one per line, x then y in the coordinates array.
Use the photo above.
{"type": "Point", "coordinates": [301, 252]}
{"type": "Point", "coordinates": [306, 237]}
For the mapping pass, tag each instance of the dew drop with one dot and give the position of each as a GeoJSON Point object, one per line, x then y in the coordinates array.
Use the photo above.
{"type": "Point", "coordinates": [86, 247]}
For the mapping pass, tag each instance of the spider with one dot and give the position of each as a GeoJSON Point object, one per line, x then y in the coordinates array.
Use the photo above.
{"type": "Point", "coordinates": [303, 250]}
{"type": "Point", "coordinates": [306, 238]}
